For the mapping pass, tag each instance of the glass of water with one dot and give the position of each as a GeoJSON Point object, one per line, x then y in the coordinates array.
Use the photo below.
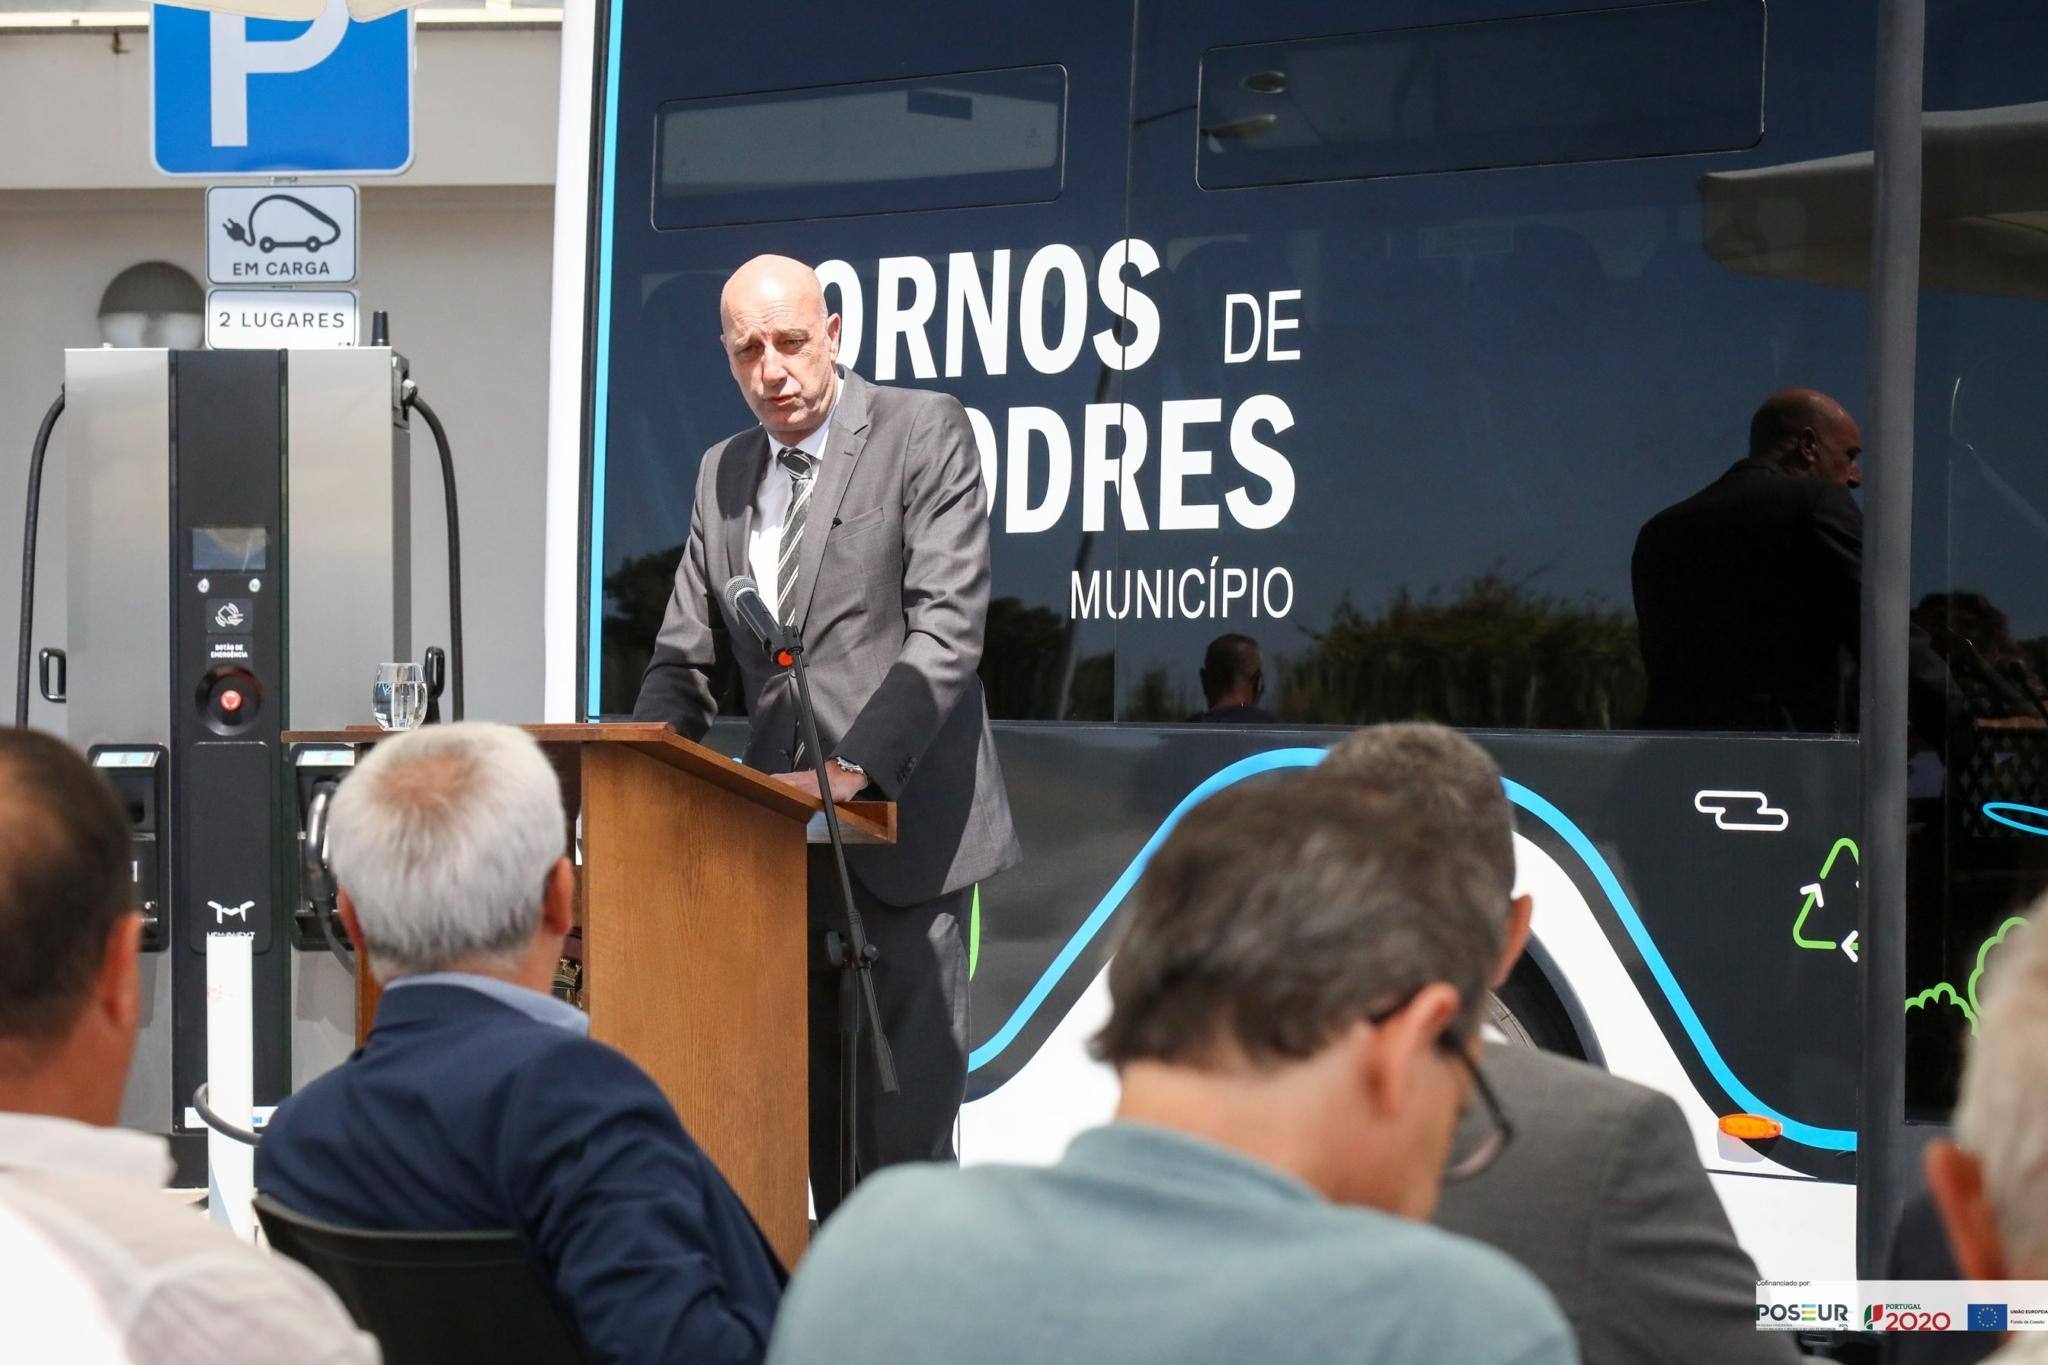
{"type": "Point", "coordinates": [399, 696]}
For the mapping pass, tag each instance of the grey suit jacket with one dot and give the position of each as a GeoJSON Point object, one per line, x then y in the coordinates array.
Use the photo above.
{"type": "Point", "coordinates": [1602, 1195]}
{"type": "Point", "coordinates": [892, 590]}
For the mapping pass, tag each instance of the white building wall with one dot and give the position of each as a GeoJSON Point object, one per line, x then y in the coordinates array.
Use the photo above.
{"type": "Point", "coordinates": [457, 250]}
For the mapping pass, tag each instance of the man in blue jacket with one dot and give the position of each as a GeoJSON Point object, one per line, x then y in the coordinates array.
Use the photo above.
{"type": "Point", "coordinates": [479, 1100]}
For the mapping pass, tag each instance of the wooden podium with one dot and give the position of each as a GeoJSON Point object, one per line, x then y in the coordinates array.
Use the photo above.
{"type": "Point", "coordinates": [692, 902]}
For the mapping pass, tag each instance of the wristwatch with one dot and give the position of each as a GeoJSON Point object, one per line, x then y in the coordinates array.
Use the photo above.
{"type": "Point", "coordinates": [853, 768]}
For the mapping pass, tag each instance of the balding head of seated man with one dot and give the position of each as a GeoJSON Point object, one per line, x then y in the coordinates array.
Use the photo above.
{"type": "Point", "coordinates": [101, 1265]}
{"type": "Point", "coordinates": [478, 1099]}
{"type": "Point", "coordinates": [1748, 594]}
{"type": "Point", "coordinates": [1293, 1006]}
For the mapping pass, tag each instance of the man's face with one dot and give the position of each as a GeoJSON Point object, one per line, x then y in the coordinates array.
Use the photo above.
{"type": "Point", "coordinates": [782, 347]}
{"type": "Point", "coordinates": [1832, 449]}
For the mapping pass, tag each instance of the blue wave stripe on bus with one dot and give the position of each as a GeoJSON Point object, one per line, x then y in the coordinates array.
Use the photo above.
{"type": "Point", "coordinates": [601, 379]}
{"type": "Point", "coordinates": [1826, 1139]}
{"type": "Point", "coordinates": [1997, 810]}
{"type": "Point", "coordinates": [1107, 906]}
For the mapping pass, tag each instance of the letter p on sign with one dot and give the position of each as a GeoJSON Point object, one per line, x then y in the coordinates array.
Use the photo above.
{"type": "Point", "coordinates": [235, 58]}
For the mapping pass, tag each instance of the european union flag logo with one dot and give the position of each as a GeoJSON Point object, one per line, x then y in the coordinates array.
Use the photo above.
{"type": "Point", "coordinates": [1986, 1317]}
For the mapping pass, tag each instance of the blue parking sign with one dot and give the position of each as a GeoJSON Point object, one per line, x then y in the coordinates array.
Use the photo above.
{"type": "Point", "coordinates": [237, 96]}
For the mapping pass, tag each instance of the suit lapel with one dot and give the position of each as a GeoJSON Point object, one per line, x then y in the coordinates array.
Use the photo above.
{"type": "Point", "coordinates": [843, 445]}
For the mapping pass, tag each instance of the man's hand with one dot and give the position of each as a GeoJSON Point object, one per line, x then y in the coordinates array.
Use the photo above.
{"type": "Point", "coordinates": [845, 785]}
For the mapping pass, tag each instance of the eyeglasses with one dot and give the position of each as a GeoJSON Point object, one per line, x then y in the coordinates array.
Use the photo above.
{"type": "Point", "coordinates": [1484, 1130]}
{"type": "Point", "coordinates": [1484, 1149]}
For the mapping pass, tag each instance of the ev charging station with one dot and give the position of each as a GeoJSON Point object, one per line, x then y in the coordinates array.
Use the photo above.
{"type": "Point", "coordinates": [238, 563]}
{"type": "Point", "coordinates": [239, 539]}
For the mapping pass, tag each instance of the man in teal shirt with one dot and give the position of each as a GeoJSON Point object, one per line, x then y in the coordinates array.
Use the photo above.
{"type": "Point", "coordinates": [1295, 1006]}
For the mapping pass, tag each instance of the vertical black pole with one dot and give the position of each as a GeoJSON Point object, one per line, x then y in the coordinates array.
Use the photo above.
{"type": "Point", "coordinates": [1887, 588]}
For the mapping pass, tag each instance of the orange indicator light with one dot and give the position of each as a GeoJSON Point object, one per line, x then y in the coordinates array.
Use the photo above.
{"type": "Point", "coordinates": [1754, 1127]}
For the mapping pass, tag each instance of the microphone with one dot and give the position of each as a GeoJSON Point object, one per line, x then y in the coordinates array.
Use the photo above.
{"type": "Point", "coordinates": [741, 598]}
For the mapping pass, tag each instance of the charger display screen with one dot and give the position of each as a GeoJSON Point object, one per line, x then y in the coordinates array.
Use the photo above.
{"type": "Point", "coordinates": [230, 549]}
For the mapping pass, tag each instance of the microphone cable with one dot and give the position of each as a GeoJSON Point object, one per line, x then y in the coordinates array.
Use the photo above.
{"type": "Point", "coordinates": [28, 556]}
{"type": "Point", "coordinates": [455, 662]}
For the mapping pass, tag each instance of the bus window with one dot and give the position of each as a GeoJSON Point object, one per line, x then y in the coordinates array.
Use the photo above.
{"type": "Point", "coordinates": [1978, 795]}
{"type": "Point", "coordinates": [1429, 414]}
{"type": "Point", "coordinates": [977, 138]}
{"type": "Point", "coordinates": [1595, 85]}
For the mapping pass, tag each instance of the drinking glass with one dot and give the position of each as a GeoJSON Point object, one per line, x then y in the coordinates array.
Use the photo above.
{"type": "Point", "coordinates": [399, 696]}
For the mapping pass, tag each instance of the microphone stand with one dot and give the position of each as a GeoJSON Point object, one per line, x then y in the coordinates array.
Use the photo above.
{"type": "Point", "coordinates": [854, 955]}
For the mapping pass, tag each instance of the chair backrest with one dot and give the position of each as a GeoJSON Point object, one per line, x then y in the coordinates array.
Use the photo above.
{"type": "Point", "coordinates": [433, 1297]}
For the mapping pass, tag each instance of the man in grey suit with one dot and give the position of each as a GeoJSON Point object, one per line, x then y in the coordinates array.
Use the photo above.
{"type": "Point", "coordinates": [859, 511]}
{"type": "Point", "coordinates": [1601, 1192]}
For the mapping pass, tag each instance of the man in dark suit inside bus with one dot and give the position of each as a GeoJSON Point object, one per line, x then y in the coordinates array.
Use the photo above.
{"type": "Point", "coordinates": [859, 510]}
{"type": "Point", "coordinates": [1749, 593]}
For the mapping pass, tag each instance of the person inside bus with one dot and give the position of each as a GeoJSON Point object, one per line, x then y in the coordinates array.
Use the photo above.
{"type": "Point", "coordinates": [1233, 682]}
{"type": "Point", "coordinates": [1602, 1194]}
{"type": "Point", "coordinates": [1293, 1009]}
{"type": "Point", "coordinates": [1748, 594]}
{"type": "Point", "coordinates": [96, 1257]}
{"type": "Point", "coordinates": [1990, 1178]}
{"type": "Point", "coordinates": [479, 1100]}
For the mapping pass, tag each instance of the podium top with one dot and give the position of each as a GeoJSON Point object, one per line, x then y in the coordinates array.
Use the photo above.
{"type": "Point", "coordinates": [864, 822]}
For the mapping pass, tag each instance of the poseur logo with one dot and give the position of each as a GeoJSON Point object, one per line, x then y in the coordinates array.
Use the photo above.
{"type": "Point", "coordinates": [1818, 1313]}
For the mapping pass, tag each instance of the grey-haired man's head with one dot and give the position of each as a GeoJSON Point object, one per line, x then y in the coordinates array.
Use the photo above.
{"type": "Point", "coordinates": [1303, 963]}
{"type": "Point", "coordinates": [447, 845]}
{"type": "Point", "coordinates": [1456, 788]}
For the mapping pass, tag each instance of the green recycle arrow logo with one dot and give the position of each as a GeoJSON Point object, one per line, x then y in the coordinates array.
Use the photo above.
{"type": "Point", "coordinates": [1814, 896]}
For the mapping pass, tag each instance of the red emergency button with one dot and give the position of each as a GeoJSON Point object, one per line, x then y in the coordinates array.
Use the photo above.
{"type": "Point", "coordinates": [231, 701]}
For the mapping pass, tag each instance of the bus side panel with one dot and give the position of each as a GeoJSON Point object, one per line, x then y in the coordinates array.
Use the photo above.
{"type": "Point", "coordinates": [1670, 874]}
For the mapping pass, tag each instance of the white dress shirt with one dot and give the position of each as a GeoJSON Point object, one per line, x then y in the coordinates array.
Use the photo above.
{"type": "Point", "coordinates": [771, 503]}
{"type": "Point", "coordinates": [85, 1207]}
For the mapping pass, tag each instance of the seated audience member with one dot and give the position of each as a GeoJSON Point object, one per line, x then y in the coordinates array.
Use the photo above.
{"type": "Point", "coordinates": [1991, 1180]}
{"type": "Point", "coordinates": [478, 1100]}
{"type": "Point", "coordinates": [1293, 1008]}
{"type": "Point", "coordinates": [1602, 1193]}
{"type": "Point", "coordinates": [100, 1264]}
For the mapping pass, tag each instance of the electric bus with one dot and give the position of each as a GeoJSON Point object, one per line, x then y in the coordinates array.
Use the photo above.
{"type": "Point", "coordinates": [1373, 333]}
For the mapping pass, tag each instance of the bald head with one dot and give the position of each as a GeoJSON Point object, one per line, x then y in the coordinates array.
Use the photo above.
{"type": "Point", "coordinates": [1806, 433]}
{"type": "Point", "coordinates": [782, 345]}
{"type": "Point", "coordinates": [772, 284]}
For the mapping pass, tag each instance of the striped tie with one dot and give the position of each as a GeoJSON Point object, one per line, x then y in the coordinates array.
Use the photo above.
{"type": "Point", "coordinates": [801, 468]}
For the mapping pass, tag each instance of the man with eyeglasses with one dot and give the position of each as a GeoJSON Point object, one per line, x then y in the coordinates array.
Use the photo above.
{"type": "Point", "coordinates": [1602, 1194]}
{"type": "Point", "coordinates": [1294, 1008]}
